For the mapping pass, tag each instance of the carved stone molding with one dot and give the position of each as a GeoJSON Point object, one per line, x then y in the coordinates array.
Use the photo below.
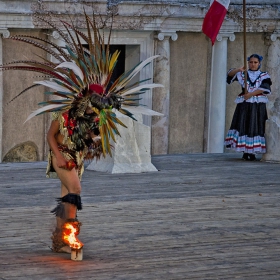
{"type": "Point", "coordinates": [173, 35]}
{"type": "Point", "coordinates": [228, 35]}
{"type": "Point", "coordinates": [4, 32]}
{"type": "Point", "coordinates": [55, 35]}
{"type": "Point", "coordinates": [274, 36]}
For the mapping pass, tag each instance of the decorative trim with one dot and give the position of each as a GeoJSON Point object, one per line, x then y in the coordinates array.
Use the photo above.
{"type": "Point", "coordinates": [185, 16]}
{"type": "Point", "coordinates": [173, 35]}
{"type": "Point", "coordinates": [4, 32]}
{"type": "Point", "coordinates": [274, 36]}
{"type": "Point", "coordinates": [55, 35]}
{"type": "Point", "coordinates": [227, 35]}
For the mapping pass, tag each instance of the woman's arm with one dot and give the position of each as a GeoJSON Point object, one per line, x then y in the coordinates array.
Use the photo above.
{"type": "Point", "coordinates": [254, 93]}
{"type": "Point", "coordinates": [51, 138]}
{"type": "Point", "coordinates": [232, 72]}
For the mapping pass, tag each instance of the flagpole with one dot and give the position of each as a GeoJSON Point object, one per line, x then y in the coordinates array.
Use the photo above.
{"type": "Point", "coordinates": [244, 46]}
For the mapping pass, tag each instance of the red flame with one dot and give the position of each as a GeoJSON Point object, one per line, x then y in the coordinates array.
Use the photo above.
{"type": "Point", "coordinates": [69, 235]}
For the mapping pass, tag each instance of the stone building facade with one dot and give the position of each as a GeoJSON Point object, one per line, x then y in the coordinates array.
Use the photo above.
{"type": "Point", "coordinates": [196, 102]}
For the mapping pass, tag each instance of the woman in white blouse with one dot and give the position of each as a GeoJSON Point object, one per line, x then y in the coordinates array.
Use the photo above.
{"type": "Point", "coordinates": [247, 130]}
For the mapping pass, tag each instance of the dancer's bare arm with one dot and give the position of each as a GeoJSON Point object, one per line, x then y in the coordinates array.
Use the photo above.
{"type": "Point", "coordinates": [52, 136]}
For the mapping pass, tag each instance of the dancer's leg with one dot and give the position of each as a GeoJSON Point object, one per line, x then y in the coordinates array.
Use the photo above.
{"type": "Point", "coordinates": [61, 213]}
{"type": "Point", "coordinates": [67, 207]}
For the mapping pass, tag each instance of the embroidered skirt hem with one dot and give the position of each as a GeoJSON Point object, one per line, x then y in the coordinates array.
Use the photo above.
{"type": "Point", "coordinates": [244, 143]}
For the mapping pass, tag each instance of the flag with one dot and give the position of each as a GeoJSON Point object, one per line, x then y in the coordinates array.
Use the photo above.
{"type": "Point", "coordinates": [214, 18]}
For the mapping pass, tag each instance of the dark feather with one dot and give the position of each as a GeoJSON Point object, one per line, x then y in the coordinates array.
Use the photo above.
{"type": "Point", "coordinates": [36, 44]}
{"type": "Point", "coordinates": [60, 50]}
{"type": "Point", "coordinates": [60, 32]}
{"type": "Point", "coordinates": [28, 88]}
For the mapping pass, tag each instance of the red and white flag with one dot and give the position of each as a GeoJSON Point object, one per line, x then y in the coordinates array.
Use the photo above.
{"type": "Point", "coordinates": [214, 18]}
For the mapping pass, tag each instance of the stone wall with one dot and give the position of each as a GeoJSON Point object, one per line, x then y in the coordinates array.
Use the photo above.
{"type": "Point", "coordinates": [187, 93]}
{"type": "Point", "coordinates": [185, 67]}
{"type": "Point", "coordinates": [15, 131]}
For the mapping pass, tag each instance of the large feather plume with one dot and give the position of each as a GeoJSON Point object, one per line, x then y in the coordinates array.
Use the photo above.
{"type": "Point", "coordinates": [77, 69]}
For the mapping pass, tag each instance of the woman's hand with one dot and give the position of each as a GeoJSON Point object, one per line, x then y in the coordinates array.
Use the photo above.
{"type": "Point", "coordinates": [236, 70]}
{"type": "Point", "coordinates": [253, 93]}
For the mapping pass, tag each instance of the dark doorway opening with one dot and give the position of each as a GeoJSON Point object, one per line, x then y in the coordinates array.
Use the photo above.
{"type": "Point", "coordinates": [120, 66]}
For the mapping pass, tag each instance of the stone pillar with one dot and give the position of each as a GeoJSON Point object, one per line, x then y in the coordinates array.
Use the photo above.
{"type": "Point", "coordinates": [272, 132]}
{"type": "Point", "coordinates": [4, 33]}
{"type": "Point", "coordinates": [161, 96]}
{"type": "Point", "coordinates": [217, 98]}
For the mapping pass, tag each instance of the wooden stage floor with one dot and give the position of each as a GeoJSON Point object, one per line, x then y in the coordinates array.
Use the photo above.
{"type": "Point", "coordinates": [201, 216]}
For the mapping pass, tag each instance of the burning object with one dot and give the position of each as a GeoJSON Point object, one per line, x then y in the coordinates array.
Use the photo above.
{"type": "Point", "coordinates": [70, 231]}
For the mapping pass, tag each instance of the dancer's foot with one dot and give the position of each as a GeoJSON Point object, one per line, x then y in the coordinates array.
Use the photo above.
{"type": "Point", "coordinates": [64, 249]}
{"type": "Point", "coordinates": [252, 157]}
{"type": "Point", "coordinates": [58, 245]}
{"type": "Point", "coordinates": [245, 156]}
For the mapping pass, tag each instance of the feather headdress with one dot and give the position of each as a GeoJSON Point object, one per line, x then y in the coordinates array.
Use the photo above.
{"type": "Point", "coordinates": [81, 79]}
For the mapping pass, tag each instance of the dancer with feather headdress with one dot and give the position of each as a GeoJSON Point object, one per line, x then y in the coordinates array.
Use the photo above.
{"type": "Point", "coordinates": [83, 117]}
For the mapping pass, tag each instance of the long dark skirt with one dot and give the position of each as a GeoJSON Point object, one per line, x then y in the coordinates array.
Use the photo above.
{"type": "Point", "coordinates": [247, 130]}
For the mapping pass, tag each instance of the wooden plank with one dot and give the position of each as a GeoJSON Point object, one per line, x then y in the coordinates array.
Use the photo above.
{"type": "Point", "coordinates": [200, 217]}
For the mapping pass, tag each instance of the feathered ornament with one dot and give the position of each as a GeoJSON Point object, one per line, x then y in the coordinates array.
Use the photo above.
{"type": "Point", "coordinates": [80, 79]}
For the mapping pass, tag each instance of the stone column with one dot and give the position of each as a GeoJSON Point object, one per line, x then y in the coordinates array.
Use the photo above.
{"type": "Point", "coordinates": [272, 132]}
{"type": "Point", "coordinates": [217, 98]}
{"type": "Point", "coordinates": [4, 33]}
{"type": "Point", "coordinates": [161, 96]}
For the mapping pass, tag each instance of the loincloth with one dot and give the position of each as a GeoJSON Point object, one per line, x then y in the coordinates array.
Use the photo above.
{"type": "Point", "coordinates": [68, 155]}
